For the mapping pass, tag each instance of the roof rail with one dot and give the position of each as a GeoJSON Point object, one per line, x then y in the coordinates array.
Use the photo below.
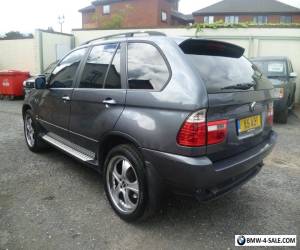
{"type": "Point", "coordinates": [127, 34]}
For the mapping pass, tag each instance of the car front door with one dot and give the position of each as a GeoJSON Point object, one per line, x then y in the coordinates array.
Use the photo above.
{"type": "Point", "coordinates": [54, 110]}
{"type": "Point", "coordinates": [99, 98]}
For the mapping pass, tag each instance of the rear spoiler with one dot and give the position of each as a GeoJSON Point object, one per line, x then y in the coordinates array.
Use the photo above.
{"type": "Point", "coordinates": [211, 48]}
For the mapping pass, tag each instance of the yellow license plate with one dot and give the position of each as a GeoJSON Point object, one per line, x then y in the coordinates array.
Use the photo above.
{"type": "Point", "coordinates": [249, 123]}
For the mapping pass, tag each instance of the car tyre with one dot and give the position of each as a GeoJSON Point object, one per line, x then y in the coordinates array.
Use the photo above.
{"type": "Point", "coordinates": [125, 181]}
{"type": "Point", "coordinates": [282, 116]}
{"type": "Point", "coordinates": [31, 132]}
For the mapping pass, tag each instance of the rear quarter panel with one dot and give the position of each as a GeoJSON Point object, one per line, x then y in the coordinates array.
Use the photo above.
{"type": "Point", "coordinates": [153, 119]}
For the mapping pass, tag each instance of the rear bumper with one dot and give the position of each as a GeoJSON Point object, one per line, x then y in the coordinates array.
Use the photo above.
{"type": "Point", "coordinates": [203, 178]}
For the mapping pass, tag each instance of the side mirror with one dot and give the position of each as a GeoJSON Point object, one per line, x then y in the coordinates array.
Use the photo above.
{"type": "Point", "coordinates": [293, 75]}
{"type": "Point", "coordinates": [40, 82]}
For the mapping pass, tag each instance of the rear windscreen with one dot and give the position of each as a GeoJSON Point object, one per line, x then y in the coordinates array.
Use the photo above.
{"type": "Point", "coordinates": [222, 66]}
{"type": "Point", "coordinates": [218, 73]}
{"type": "Point", "coordinates": [272, 68]}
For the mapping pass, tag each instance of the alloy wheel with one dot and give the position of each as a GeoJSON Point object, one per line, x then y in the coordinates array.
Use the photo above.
{"type": "Point", "coordinates": [123, 185]}
{"type": "Point", "coordinates": [29, 131]}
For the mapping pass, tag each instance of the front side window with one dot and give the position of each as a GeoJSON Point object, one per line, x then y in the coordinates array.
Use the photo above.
{"type": "Point", "coordinates": [106, 9]}
{"type": "Point", "coordinates": [232, 19]}
{"type": "Point", "coordinates": [147, 68]}
{"type": "Point", "coordinates": [164, 16]}
{"type": "Point", "coordinates": [63, 75]}
{"type": "Point", "coordinates": [286, 19]}
{"type": "Point", "coordinates": [209, 19]}
{"type": "Point", "coordinates": [260, 19]}
{"type": "Point", "coordinates": [96, 67]}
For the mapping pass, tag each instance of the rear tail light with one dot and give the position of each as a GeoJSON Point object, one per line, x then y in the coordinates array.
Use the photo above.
{"type": "Point", "coordinates": [196, 132]}
{"type": "Point", "coordinates": [216, 132]}
{"type": "Point", "coordinates": [270, 113]}
{"type": "Point", "coordinates": [193, 130]}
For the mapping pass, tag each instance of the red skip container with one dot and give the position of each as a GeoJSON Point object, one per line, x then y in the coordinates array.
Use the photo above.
{"type": "Point", "coordinates": [11, 83]}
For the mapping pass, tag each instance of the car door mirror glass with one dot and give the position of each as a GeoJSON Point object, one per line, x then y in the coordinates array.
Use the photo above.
{"type": "Point", "coordinates": [293, 75]}
{"type": "Point", "coordinates": [40, 82]}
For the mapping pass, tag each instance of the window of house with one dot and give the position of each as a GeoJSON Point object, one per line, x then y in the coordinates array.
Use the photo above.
{"type": "Point", "coordinates": [96, 67]}
{"type": "Point", "coordinates": [64, 73]}
{"type": "Point", "coordinates": [260, 19]}
{"type": "Point", "coordinates": [285, 19]}
{"type": "Point", "coordinates": [106, 9]}
{"type": "Point", "coordinates": [209, 19]}
{"type": "Point", "coordinates": [147, 70]}
{"type": "Point", "coordinates": [232, 19]}
{"type": "Point", "coordinates": [164, 16]}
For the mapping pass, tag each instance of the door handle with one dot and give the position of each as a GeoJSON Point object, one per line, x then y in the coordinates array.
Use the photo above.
{"type": "Point", "coordinates": [66, 98]}
{"type": "Point", "coordinates": [109, 101]}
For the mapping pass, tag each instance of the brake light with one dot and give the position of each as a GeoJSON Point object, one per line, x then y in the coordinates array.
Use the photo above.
{"type": "Point", "coordinates": [193, 130]}
{"type": "Point", "coordinates": [216, 131]}
{"type": "Point", "coordinates": [196, 132]}
{"type": "Point", "coordinates": [270, 113]}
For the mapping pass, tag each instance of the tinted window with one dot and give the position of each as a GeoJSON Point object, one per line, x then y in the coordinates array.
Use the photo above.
{"type": "Point", "coordinates": [146, 67]}
{"type": "Point", "coordinates": [113, 80]}
{"type": "Point", "coordinates": [96, 67]}
{"type": "Point", "coordinates": [63, 75]}
{"type": "Point", "coordinates": [272, 68]}
{"type": "Point", "coordinates": [219, 72]}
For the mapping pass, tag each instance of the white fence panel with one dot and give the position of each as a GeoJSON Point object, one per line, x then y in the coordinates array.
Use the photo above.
{"type": "Point", "coordinates": [256, 41]}
{"type": "Point", "coordinates": [18, 55]}
{"type": "Point", "coordinates": [53, 46]}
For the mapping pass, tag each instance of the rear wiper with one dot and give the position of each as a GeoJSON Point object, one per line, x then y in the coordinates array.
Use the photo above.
{"type": "Point", "coordinates": [244, 86]}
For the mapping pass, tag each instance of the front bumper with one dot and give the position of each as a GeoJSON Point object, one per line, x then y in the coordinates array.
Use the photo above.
{"type": "Point", "coordinates": [203, 178]}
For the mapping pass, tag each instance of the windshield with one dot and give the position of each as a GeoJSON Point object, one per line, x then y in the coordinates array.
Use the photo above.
{"type": "Point", "coordinates": [220, 73]}
{"type": "Point", "coordinates": [272, 68]}
{"type": "Point", "coordinates": [50, 68]}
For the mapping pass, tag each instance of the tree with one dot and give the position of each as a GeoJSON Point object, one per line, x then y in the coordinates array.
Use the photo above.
{"type": "Point", "coordinates": [16, 35]}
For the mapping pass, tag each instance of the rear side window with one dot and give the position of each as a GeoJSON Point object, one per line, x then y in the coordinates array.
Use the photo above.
{"type": "Point", "coordinates": [147, 68]}
{"type": "Point", "coordinates": [96, 67]}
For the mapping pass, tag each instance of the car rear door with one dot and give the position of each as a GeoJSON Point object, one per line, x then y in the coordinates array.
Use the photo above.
{"type": "Point", "coordinates": [99, 97]}
{"type": "Point", "coordinates": [54, 106]}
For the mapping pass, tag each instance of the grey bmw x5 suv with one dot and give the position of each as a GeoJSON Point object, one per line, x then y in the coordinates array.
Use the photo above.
{"type": "Point", "coordinates": [154, 113]}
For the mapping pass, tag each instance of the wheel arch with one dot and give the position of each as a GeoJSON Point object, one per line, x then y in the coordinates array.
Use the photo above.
{"type": "Point", "coordinates": [114, 139]}
{"type": "Point", "coordinates": [25, 108]}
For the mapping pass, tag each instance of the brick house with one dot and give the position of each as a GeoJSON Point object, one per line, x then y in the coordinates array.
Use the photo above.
{"type": "Point", "coordinates": [259, 12]}
{"type": "Point", "coordinates": [133, 13]}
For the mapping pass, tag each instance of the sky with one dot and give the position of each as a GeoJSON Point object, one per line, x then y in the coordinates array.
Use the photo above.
{"type": "Point", "coordinates": [28, 15]}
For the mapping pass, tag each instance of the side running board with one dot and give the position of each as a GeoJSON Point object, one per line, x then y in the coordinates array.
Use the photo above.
{"type": "Point", "coordinates": [69, 147]}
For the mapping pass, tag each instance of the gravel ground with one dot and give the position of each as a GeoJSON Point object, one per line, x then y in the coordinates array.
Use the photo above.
{"type": "Point", "coordinates": [49, 201]}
